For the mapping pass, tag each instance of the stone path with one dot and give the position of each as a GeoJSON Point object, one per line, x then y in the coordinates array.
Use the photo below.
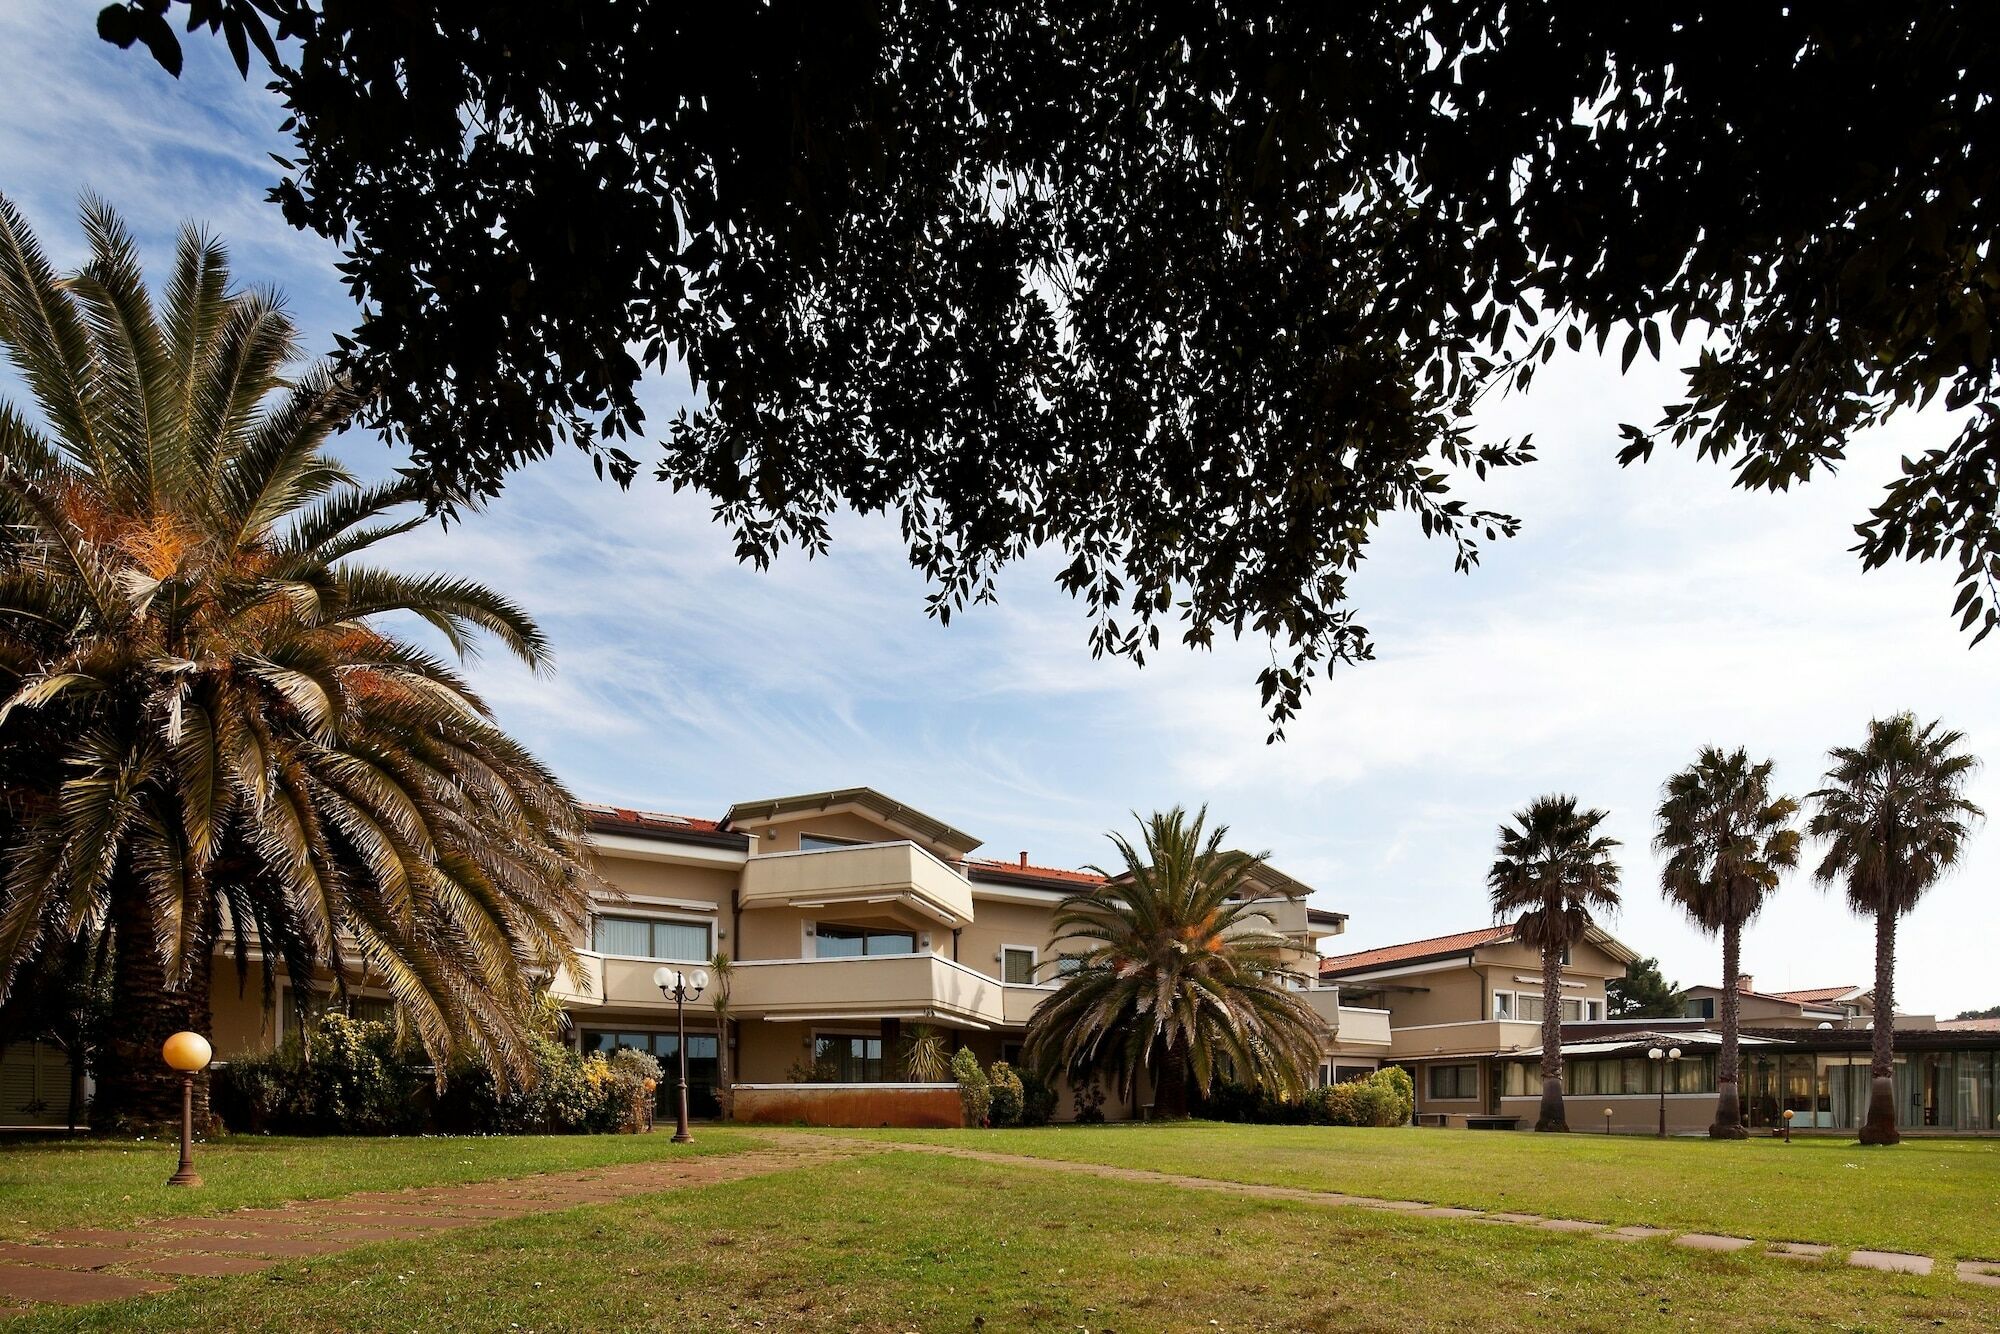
{"type": "Point", "coordinates": [81, 1265]}
{"type": "Point", "coordinates": [1983, 1272]}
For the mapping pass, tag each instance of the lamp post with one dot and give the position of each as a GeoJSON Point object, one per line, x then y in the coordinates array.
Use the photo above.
{"type": "Point", "coordinates": [1788, 1125]}
{"type": "Point", "coordinates": [188, 1053]}
{"type": "Point", "coordinates": [1663, 1057]}
{"type": "Point", "coordinates": [680, 988]}
{"type": "Point", "coordinates": [1607, 1120]}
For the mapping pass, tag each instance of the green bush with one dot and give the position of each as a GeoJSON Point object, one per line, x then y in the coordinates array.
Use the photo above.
{"type": "Point", "coordinates": [1038, 1100]}
{"type": "Point", "coordinates": [1006, 1096]}
{"type": "Point", "coordinates": [1384, 1098]}
{"type": "Point", "coordinates": [349, 1077]}
{"type": "Point", "coordinates": [974, 1094]}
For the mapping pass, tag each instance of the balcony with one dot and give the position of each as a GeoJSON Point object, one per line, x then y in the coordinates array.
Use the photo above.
{"type": "Point", "coordinates": [880, 875]}
{"type": "Point", "coordinates": [915, 987]}
{"type": "Point", "coordinates": [1355, 1027]}
{"type": "Point", "coordinates": [1473, 1037]}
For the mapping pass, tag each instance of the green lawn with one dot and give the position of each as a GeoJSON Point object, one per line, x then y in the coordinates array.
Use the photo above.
{"type": "Point", "coordinates": [1935, 1197]}
{"type": "Point", "coordinates": [906, 1241]}
{"type": "Point", "coordinates": [49, 1184]}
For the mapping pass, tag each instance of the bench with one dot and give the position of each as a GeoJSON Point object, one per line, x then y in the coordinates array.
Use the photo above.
{"type": "Point", "coordinates": [1491, 1122]}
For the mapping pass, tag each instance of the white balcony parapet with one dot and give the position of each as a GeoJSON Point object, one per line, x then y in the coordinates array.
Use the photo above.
{"type": "Point", "coordinates": [922, 987]}
{"type": "Point", "coordinates": [898, 874]}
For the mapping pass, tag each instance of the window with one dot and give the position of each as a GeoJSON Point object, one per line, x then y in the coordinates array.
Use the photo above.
{"type": "Point", "coordinates": [1530, 1008]}
{"type": "Point", "coordinates": [1068, 965]}
{"type": "Point", "coordinates": [1602, 1076]}
{"type": "Point", "coordinates": [653, 938]}
{"type": "Point", "coordinates": [703, 1066]}
{"type": "Point", "coordinates": [1503, 1005]}
{"type": "Point", "coordinates": [1593, 1010]}
{"type": "Point", "coordinates": [1700, 1007]}
{"type": "Point", "coordinates": [833, 941]}
{"type": "Point", "coordinates": [1454, 1081]}
{"type": "Point", "coordinates": [823, 842]}
{"type": "Point", "coordinates": [1017, 964]}
{"type": "Point", "coordinates": [855, 1060]}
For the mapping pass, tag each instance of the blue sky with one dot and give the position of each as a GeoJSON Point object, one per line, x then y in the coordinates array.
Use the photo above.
{"type": "Point", "coordinates": [1641, 614]}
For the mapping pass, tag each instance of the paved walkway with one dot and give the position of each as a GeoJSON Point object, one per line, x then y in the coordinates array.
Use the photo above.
{"type": "Point", "coordinates": [1983, 1272]}
{"type": "Point", "coordinates": [104, 1264]}
{"type": "Point", "coordinates": [81, 1265]}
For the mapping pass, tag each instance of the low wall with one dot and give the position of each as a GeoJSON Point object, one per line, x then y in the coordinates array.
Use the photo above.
{"type": "Point", "coordinates": [907, 1105]}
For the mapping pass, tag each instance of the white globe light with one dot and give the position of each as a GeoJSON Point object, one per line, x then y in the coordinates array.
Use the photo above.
{"type": "Point", "coordinates": [1673, 1053]}
{"type": "Point", "coordinates": [663, 978]}
{"type": "Point", "coordinates": [1656, 1053]}
{"type": "Point", "coordinates": [700, 979]}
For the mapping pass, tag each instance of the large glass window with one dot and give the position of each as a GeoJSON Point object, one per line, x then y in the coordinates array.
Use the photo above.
{"type": "Point", "coordinates": [653, 938]}
{"type": "Point", "coordinates": [855, 1060]}
{"type": "Point", "coordinates": [1454, 1081]}
{"type": "Point", "coordinates": [704, 1067]}
{"type": "Point", "coordinates": [834, 941]}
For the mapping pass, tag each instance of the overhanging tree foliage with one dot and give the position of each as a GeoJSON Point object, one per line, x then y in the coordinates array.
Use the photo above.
{"type": "Point", "coordinates": [1197, 295]}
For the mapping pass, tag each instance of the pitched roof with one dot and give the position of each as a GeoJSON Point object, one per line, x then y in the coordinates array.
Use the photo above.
{"type": "Point", "coordinates": [1811, 994]}
{"type": "Point", "coordinates": [1970, 1025]}
{"type": "Point", "coordinates": [868, 799]}
{"type": "Point", "coordinates": [1415, 949]}
{"type": "Point", "coordinates": [655, 824]}
{"type": "Point", "coordinates": [1802, 999]}
{"type": "Point", "coordinates": [992, 868]}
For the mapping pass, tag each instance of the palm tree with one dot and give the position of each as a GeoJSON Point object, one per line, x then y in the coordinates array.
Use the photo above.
{"type": "Point", "coordinates": [1553, 869]}
{"type": "Point", "coordinates": [211, 738]}
{"type": "Point", "coordinates": [1727, 840]}
{"type": "Point", "coordinates": [1178, 976]}
{"type": "Point", "coordinates": [722, 975]}
{"type": "Point", "coordinates": [1894, 818]}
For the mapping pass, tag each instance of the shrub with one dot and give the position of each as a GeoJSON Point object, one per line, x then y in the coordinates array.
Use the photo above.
{"type": "Point", "coordinates": [1090, 1104]}
{"type": "Point", "coordinates": [1006, 1096]}
{"type": "Point", "coordinates": [926, 1057]}
{"type": "Point", "coordinates": [1038, 1100]}
{"type": "Point", "coordinates": [1384, 1098]}
{"type": "Point", "coordinates": [813, 1070]}
{"type": "Point", "coordinates": [637, 1079]}
{"type": "Point", "coordinates": [973, 1092]}
{"type": "Point", "coordinates": [348, 1077]}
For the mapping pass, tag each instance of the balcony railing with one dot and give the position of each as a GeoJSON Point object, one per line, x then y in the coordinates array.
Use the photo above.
{"type": "Point", "coordinates": [881, 875]}
{"type": "Point", "coordinates": [890, 986]}
{"type": "Point", "coordinates": [1472, 1037]}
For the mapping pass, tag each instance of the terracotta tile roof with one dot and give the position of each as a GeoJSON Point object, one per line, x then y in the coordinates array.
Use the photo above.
{"type": "Point", "coordinates": [649, 824]}
{"type": "Point", "coordinates": [1970, 1025]}
{"type": "Point", "coordinates": [1811, 994]}
{"type": "Point", "coordinates": [993, 866]}
{"type": "Point", "coordinates": [1415, 949]}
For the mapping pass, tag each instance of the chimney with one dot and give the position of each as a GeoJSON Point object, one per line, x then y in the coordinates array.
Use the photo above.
{"type": "Point", "coordinates": [1743, 981]}
{"type": "Point", "coordinates": [1024, 858]}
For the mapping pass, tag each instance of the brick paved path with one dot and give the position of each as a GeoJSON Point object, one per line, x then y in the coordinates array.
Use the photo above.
{"type": "Point", "coordinates": [103, 1264]}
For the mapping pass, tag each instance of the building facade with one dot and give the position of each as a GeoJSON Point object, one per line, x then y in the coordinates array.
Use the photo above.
{"type": "Point", "coordinates": [850, 918]}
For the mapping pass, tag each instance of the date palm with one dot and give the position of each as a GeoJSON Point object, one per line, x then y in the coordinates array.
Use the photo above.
{"type": "Point", "coordinates": [1727, 842]}
{"type": "Point", "coordinates": [1552, 871]}
{"type": "Point", "coordinates": [207, 736]}
{"type": "Point", "coordinates": [1894, 818]}
{"type": "Point", "coordinates": [1179, 975]}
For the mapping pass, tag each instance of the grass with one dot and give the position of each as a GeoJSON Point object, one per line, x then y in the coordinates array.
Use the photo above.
{"type": "Point", "coordinates": [50, 1184]}
{"type": "Point", "coordinates": [1933, 1197]}
{"type": "Point", "coordinates": [904, 1241]}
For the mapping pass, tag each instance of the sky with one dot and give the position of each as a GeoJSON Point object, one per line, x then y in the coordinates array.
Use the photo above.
{"type": "Point", "coordinates": [1641, 614]}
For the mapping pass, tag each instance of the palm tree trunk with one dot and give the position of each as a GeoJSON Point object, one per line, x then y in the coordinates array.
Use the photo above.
{"type": "Point", "coordinates": [1728, 1084]}
{"type": "Point", "coordinates": [1170, 1086]}
{"type": "Point", "coordinates": [135, 1089]}
{"type": "Point", "coordinates": [1880, 1127]}
{"type": "Point", "coordinates": [1552, 1116]}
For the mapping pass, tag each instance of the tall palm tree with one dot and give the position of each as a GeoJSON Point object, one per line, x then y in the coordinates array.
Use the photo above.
{"type": "Point", "coordinates": [1894, 817]}
{"type": "Point", "coordinates": [213, 739]}
{"type": "Point", "coordinates": [1179, 975]}
{"type": "Point", "coordinates": [1727, 841]}
{"type": "Point", "coordinates": [1552, 871]}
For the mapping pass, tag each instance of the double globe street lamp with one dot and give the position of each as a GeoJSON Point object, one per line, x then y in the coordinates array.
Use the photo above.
{"type": "Point", "coordinates": [680, 988]}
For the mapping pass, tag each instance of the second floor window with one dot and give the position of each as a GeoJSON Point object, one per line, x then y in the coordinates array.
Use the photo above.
{"type": "Point", "coordinates": [652, 938]}
{"type": "Point", "coordinates": [1017, 964]}
{"type": "Point", "coordinates": [834, 941]}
